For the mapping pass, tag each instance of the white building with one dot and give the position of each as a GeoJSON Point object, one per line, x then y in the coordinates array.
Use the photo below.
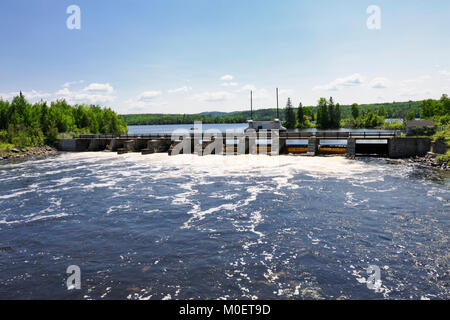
{"type": "Point", "coordinates": [265, 125]}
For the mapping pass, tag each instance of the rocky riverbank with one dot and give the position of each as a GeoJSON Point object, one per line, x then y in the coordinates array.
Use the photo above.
{"type": "Point", "coordinates": [430, 161]}
{"type": "Point", "coordinates": [27, 153]}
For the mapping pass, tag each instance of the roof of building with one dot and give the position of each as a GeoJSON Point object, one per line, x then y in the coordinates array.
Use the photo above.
{"type": "Point", "coordinates": [419, 123]}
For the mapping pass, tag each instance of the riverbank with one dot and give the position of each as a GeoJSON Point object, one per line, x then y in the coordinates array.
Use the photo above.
{"type": "Point", "coordinates": [430, 161]}
{"type": "Point", "coordinates": [27, 153]}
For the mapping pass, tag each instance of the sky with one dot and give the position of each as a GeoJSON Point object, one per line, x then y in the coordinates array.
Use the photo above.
{"type": "Point", "coordinates": [190, 56]}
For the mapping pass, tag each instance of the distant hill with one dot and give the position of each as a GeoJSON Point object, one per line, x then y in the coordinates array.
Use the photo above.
{"type": "Point", "coordinates": [393, 110]}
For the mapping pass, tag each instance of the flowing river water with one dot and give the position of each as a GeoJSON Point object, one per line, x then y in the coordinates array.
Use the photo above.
{"type": "Point", "coordinates": [216, 227]}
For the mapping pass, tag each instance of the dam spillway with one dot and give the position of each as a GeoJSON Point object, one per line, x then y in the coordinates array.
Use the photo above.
{"type": "Point", "coordinates": [273, 143]}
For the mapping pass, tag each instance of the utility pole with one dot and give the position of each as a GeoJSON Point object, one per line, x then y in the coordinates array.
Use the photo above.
{"type": "Point", "coordinates": [251, 105]}
{"type": "Point", "coordinates": [278, 112]}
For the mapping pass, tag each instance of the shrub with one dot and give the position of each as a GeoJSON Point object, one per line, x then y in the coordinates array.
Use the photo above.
{"type": "Point", "coordinates": [52, 136]}
{"type": "Point", "coordinates": [445, 158]}
{"type": "Point", "coordinates": [5, 147]}
{"type": "Point", "coordinates": [422, 131]}
{"type": "Point", "coordinates": [3, 136]}
{"type": "Point", "coordinates": [394, 126]}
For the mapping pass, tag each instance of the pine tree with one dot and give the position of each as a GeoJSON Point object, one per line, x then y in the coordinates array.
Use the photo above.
{"type": "Point", "coordinates": [337, 116]}
{"type": "Point", "coordinates": [289, 115]}
{"type": "Point", "coordinates": [322, 113]}
{"type": "Point", "coordinates": [330, 114]}
{"type": "Point", "coordinates": [355, 111]}
{"type": "Point", "coordinates": [300, 114]}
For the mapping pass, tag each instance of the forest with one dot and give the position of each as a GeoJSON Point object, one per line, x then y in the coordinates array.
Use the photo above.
{"type": "Point", "coordinates": [398, 110]}
{"type": "Point", "coordinates": [23, 124]}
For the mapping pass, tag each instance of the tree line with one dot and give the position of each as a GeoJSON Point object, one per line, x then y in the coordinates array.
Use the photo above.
{"type": "Point", "coordinates": [24, 124]}
{"type": "Point", "coordinates": [162, 119]}
{"type": "Point", "coordinates": [370, 115]}
{"type": "Point", "coordinates": [330, 115]}
{"type": "Point", "coordinates": [438, 110]}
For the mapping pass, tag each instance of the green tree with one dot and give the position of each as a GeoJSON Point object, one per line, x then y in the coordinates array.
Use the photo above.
{"type": "Point", "coordinates": [381, 111]}
{"type": "Point", "coordinates": [300, 114]}
{"type": "Point", "coordinates": [330, 114]}
{"type": "Point", "coordinates": [289, 114]}
{"type": "Point", "coordinates": [322, 113]}
{"type": "Point", "coordinates": [337, 116]}
{"type": "Point", "coordinates": [355, 111]}
{"type": "Point", "coordinates": [24, 124]}
{"type": "Point", "coordinates": [410, 116]}
{"type": "Point", "coordinates": [427, 110]}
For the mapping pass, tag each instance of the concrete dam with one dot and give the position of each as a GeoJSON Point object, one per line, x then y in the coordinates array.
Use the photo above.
{"type": "Point", "coordinates": [271, 142]}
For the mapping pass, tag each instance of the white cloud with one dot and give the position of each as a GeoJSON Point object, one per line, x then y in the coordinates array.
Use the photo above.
{"type": "Point", "coordinates": [144, 106]}
{"type": "Point", "coordinates": [100, 88]}
{"type": "Point", "coordinates": [227, 77]}
{"type": "Point", "coordinates": [94, 93]}
{"type": "Point", "coordinates": [248, 87]}
{"type": "Point", "coordinates": [416, 80]}
{"type": "Point", "coordinates": [147, 96]}
{"type": "Point", "coordinates": [350, 81]}
{"type": "Point", "coordinates": [379, 83]}
{"type": "Point", "coordinates": [80, 97]}
{"type": "Point", "coordinates": [257, 93]}
{"type": "Point", "coordinates": [147, 101]}
{"type": "Point", "coordinates": [285, 91]}
{"type": "Point", "coordinates": [8, 95]}
{"type": "Point", "coordinates": [32, 95]}
{"type": "Point", "coordinates": [179, 90]}
{"type": "Point", "coordinates": [416, 93]}
{"type": "Point", "coordinates": [216, 96]}
{"type": "Point", "coordinates": [71, 83]}
{"type": "Point", "coordinates": [229, 84]}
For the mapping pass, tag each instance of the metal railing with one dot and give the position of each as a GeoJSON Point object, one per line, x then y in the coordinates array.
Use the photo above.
{"type": "Point", "coordinates": [288, 135]}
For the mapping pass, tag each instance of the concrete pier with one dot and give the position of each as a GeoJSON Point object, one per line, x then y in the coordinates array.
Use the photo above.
{"type": "Point", "coordinates": [313, 146]}
{"type": "Point", "coordinates": [351, 147]}
{"type": "Point", "coordinates": [152, 147]}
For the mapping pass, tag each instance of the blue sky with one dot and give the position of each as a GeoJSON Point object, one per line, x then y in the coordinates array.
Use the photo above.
{"type": "Point", "coordinates": [188, 56]}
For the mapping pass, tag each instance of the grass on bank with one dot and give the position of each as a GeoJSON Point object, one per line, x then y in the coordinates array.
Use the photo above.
{"type": "Point", "coordinates": [444, 135]}
{"type": "Point", "coordinates": [5, 147]}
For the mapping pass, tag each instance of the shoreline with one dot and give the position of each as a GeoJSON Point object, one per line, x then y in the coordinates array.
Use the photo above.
{"type": "Point", "coordinates": [27, 153]}
{"type": "Point", "coordinates": [429, 161]}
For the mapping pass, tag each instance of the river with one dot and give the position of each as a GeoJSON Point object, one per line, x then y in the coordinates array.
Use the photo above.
{"type": "Point", "coordinates": [215, 227]}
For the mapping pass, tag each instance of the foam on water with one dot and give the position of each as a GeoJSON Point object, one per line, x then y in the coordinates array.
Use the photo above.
{"type": "Point", "coordinates": [234, 165]}
{"type": "Point", "coordinates": [225, 227]}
